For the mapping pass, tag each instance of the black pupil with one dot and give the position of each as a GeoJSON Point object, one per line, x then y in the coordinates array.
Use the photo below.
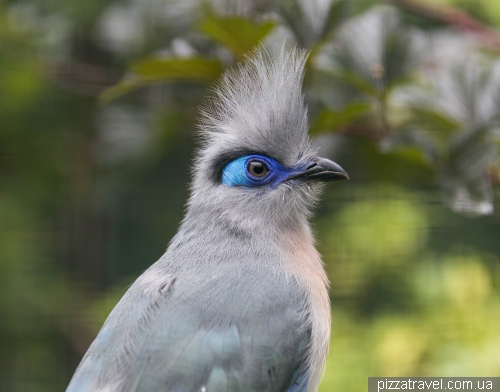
{"type": "Point", "coordinates": [257, 168]}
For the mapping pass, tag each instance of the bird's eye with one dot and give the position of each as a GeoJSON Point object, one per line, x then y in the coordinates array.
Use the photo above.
{"type": "Point", "coordinates": [257, 169]}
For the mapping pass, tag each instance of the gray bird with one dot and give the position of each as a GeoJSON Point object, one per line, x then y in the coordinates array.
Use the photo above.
{"type": "Point", "coordinates": [239, 301]}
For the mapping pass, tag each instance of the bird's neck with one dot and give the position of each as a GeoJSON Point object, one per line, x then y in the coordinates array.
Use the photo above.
{"type": "Point", "coordinates": [217, 233]}
{"type": "Point", "coordinates": [250, 217]}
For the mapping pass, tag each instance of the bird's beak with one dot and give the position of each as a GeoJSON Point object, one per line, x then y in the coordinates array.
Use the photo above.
{"type": "Point", "coordinates": [321, 170]}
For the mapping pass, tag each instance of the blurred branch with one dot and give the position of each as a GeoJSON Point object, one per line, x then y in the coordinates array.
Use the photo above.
{"type": "Point", "coordinates": [454, 17]}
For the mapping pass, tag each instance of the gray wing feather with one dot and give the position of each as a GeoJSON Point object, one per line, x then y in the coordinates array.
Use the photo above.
{"type": "Point", "coordinates": [182, 334]}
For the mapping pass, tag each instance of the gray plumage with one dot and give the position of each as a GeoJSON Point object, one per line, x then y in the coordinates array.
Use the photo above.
{"type": "Point", "coordinates": [239, 301]}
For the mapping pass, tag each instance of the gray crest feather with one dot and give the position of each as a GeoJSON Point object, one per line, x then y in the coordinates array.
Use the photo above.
{"type": "Point", "coordinates": [260, 105]}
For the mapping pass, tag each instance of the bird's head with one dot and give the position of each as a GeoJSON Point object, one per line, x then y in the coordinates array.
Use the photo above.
{"type": "Point", "coordinates": [256, 165]}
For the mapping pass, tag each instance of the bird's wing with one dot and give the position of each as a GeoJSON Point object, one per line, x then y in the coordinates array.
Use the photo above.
{"type": "Point", "coordinates": [300, 380]}
{"type": "Point", "coordinates": [184, 334]}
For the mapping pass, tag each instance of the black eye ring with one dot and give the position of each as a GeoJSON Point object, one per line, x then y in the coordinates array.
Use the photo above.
{"type": "Point", "coordinates": [257, 169]}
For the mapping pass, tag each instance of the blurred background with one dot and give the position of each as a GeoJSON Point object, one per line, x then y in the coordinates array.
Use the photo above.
{"type": "Point", "coordinates": [98, 111]}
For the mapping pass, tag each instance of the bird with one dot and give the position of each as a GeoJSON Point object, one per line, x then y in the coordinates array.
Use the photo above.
{"type": "Point", "coordinates": [239, 301]}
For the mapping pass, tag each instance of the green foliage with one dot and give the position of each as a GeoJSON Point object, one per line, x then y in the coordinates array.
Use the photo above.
{"type": "Point", "coordinates": [433, 314]}
{"type": "Point", "coordinates": [403, 102]}
{"type": "Point", "coordinates": [383, 240]}
{"type": "Point", "coordinates": [437, 122]}
{"type": "Point", "coordinates": [335, 16]}
{"type": "Point", "coordinates": [338, 119]}
{"type": "Point", "coordinates": [156, 70]}
{"type": "Point", "coordinates": [238, 34]}
{"type": "Point", "coordinates": [294, 16]}
{"type": "Point", "coordinates": [487, 11]}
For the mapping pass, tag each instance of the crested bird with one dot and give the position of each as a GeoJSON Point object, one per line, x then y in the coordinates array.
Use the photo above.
{"type": "Point", "coordinates": [239, 301]}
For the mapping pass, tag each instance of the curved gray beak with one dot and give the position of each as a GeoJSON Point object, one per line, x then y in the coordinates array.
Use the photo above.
{"type": "Point", "coordinates": [321, 169]}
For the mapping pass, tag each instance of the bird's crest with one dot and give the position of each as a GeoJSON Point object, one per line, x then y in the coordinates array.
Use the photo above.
{"type": "Point", "coordinates": [259, 105]}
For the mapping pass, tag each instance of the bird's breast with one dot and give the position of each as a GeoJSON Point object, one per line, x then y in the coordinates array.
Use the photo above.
{"type": "Point", "coordinates": [303, 261]}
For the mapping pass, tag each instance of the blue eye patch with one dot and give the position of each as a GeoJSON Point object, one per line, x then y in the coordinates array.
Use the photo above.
{"type": "Point", "coordinates": [236, 173]}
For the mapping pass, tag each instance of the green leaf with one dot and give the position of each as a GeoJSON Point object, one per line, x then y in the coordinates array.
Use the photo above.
{"type": "Point", "coordinates": [119, 89]}
{"type": "Point", "coordinates": [414, 156]}
{"type": "Point", "coordinates": [157, 70]}
{"type": "Point", "coordinates": [399, 58]}
{"type": "Point", "coordinates": [238, 34]}
{"type": "Point", "coordinates": [294, 17]}
{"type": "Point", "coordinates": [413, 146]}
{"type": "Point", "coordinates": [434, 120]}
{"type": "Point", "coordinates": [336, 15]}
{"type": "Point", "coordinates": [333, 120]}
{"type": "Point", "coordinates": [195, 68]}
{"type": "Point", "coordinates": [357, 81]}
